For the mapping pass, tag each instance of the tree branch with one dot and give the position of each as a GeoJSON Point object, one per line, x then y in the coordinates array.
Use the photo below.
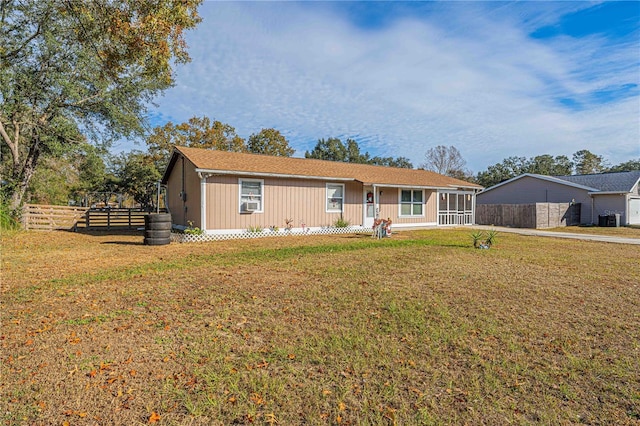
{"type": "Point", "coordinates": [13, 145]}
{"type": "Point", "coordinates": [79, 103]}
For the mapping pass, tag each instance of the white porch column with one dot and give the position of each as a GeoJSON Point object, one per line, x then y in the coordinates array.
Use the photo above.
{"type": "Point", "coordinates": [376, 206]}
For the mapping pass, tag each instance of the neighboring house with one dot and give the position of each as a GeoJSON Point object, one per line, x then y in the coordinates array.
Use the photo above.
{"type": "Point", "coordinates": [226, 192]}
{"type": "Point", "coordinates": [598, 194]}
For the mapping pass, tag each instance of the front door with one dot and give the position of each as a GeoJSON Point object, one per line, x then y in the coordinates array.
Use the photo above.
{"type": "Point", "coordinates": [369, 207]}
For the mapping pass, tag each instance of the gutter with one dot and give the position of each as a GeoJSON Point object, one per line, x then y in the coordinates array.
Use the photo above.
{"type": "Point", "coordinates": [465, 186]}
{"type": "Point", "coordinates": [211, 172]}
{"type": "Point", "coordinates": [607, 193]}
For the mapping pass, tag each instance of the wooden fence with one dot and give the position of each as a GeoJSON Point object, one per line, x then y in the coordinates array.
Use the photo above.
{"type": "Point", "coordinates": [115, 218]}
{"type": "Point", "coordinates": [537, 215]}
{"type": "Point", "coordinates": [43, 217]}
{"type": "Point", "coordinates": [48, 218]}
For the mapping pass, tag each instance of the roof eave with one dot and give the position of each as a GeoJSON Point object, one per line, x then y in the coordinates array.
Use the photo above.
{"type": "Point", "coordinates": [478, 187]}
{"type": "Point", "coordinates": [266, 174]}
{"type": "Point", "coordinates": [167, 171]}
{"type": "Point", "coordinates": [402, 186]}
{"type": "Point", "coordinates": [609, 192]}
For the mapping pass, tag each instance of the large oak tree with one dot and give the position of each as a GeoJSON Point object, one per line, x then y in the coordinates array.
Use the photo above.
{"type": "Point", "coordinates": [270, 142]}
{"type": "Point", "coordinates": [72, 71]}
{"type": "Point", "coordinates": [198, 132]}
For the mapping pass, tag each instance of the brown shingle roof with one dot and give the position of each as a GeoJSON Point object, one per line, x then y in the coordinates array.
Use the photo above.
{"type": "Point", "coordinates": [223, 161]}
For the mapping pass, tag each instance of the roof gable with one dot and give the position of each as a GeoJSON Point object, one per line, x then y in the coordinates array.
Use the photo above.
{"type": "Point", "coordinates": [215, 161]}
{"type": "Point", "coordinates": [603, 182]}
{"type": "Point", "coordinates": [553, 179]}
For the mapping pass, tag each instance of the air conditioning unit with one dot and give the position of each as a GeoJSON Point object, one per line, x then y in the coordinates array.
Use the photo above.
{"type": "Point", "coordinates": [251, 206]}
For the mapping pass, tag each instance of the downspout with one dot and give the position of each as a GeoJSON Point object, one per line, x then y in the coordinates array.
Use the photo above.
{"type": "Point", "coordinates": [158, 198]}
{"type": "Point", "coordinates": [203, 201]}
{"type": "Point", "coordinates": [592, 208]}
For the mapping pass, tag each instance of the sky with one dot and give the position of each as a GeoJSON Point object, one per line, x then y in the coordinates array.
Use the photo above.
{"type": "Point", "coordinates": [493, 79]}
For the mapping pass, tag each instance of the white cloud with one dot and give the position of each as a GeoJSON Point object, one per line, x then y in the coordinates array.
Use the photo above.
{"type": "Point", "coordinates": [465, 75]}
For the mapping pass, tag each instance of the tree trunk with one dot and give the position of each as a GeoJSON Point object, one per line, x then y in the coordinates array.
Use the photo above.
{"type": "Point", "coordinates": [24, 178]}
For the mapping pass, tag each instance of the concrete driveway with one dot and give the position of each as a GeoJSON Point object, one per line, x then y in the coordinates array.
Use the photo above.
{"type": "Point", "coordinates": [542, 233]}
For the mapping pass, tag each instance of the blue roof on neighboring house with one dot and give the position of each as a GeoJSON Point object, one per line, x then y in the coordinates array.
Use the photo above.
{"type": "Point", "coordinates": [606, 182]}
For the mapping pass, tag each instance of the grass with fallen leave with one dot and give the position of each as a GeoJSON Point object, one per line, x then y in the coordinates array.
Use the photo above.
{"type": "Point", "coordinates": [417, 329]}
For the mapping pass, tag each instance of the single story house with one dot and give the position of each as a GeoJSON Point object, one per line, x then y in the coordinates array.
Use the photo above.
{"type": "Point", "coordinates": [599, 194]}
{"type": "Point", "coordinates": [229, 192]}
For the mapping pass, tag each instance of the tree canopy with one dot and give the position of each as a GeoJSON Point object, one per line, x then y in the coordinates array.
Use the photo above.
{"type": "Point", "coordinates": [75, 71]}
{"type": "Point", "coordinates": [586, 163]}
{"type": "Point", "coordinates": [549, 165]}
{"type": "Point", "coordinates": [447, 161]}
{"type": "Point", "coordinates": [508, 168]}
{"type": "Point", "coordinates": [137, 176]}
{"type": "Point", "coordinates": [627, 166]}
{"type": "Point", "coordinates": [198, 132]}
{"type": "Point", "coordinates": [269, 142]}
{"type": "Point", "coordinates": [400, 162]}
{"type": "Point", "coordinates": [333, 149]}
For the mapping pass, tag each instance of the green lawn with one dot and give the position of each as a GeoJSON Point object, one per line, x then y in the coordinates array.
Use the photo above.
{"type": "Point", "coordinates": [417, 329]}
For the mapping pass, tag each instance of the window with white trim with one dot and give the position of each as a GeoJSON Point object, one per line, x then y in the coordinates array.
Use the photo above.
{"type": "Point", "coordinates": [251, 191]}
{"type": "Point", "coordinates": [335, 197]}
{"type": "Point", "coordinates": [411, 202]}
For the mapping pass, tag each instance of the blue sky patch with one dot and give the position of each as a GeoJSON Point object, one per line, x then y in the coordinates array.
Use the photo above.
{"type": "Point", "coordinates": [612, 19]}
{"type": "Point", "coordinates": [615, 93]}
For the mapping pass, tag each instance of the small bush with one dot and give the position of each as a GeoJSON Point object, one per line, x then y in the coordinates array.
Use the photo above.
{"type": "Point", "coordinates": [477, 238]}
{"type": "Point", "coordinates": [8, 222]}
{"type": "Point", "coordinates": [193, 230]}
{"type": "Point", "coordinates": [484, 240]}
{"type": "Point", "coordinates": [491, 237]}
{"type": "Point", "coordinates": [341, 223]}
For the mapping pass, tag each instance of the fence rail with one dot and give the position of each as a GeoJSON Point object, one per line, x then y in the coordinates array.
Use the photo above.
{"type": "Point", "coordinates": [115, 218]}
{"type": "Point", "coordinates": [48, 218]}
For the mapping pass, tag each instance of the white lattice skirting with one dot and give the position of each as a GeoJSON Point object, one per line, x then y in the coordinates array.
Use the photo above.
{"type": "Point", "coordinates": [192, 238]}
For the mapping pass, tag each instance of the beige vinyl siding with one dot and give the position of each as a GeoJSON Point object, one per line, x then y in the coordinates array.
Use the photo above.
{"type": "Point", "coordinates": [389, 207]}
{"type": "Point", "coordinates": [184, 212]}
{"type": "Point", "coordinates": [304, 201]}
